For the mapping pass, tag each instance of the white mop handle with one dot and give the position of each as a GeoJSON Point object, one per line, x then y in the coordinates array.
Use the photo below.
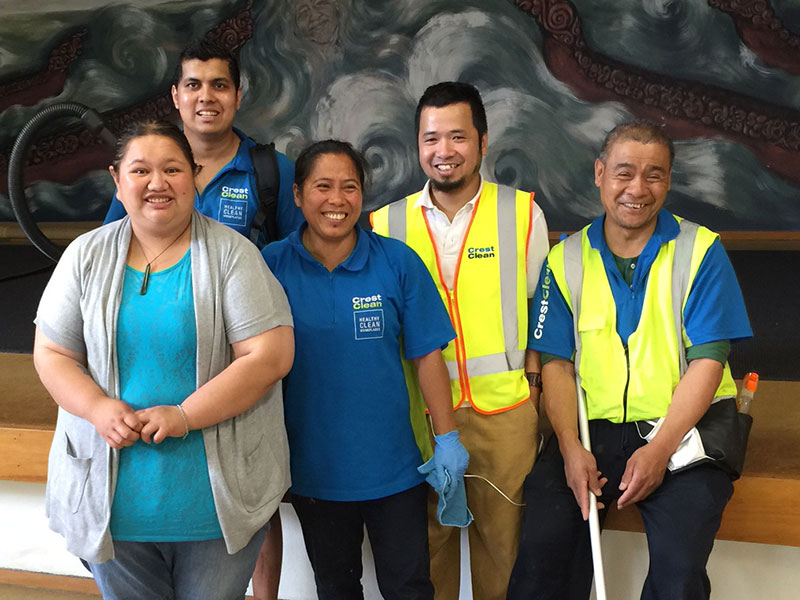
{"type": "Point", "coordinates": [594, 522]}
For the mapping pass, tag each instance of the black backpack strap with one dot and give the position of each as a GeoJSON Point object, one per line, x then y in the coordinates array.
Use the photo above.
{"type": "Point", "coordinates": [268, 182]}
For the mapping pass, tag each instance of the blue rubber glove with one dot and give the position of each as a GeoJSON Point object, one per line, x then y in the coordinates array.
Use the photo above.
{"type": "Point", "coordinates": [452, 507]}
{"type": "Point", "coordinates": [445, 473]}
{"type": "Point", "coordinates": [449, 454]}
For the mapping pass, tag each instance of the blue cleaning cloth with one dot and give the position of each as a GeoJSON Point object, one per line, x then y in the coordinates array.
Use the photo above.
{"type": "Point", "coordinates": [452, 508]}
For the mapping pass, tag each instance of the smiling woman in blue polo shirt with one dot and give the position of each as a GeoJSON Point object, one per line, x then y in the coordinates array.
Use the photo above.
{"type": "Point", "coordinates": [360, 302]}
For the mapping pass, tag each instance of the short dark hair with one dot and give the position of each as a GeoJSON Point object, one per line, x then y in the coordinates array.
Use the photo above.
{"type": "Point", "coordinates": [139, 129]}
{"type": "Point", "coordinates": [638, 130]}
{"type": "Point", "coordinates": [309, 156]}
{"type": "Point", "coordinates": [206, 50]}
{"type": "Point", "coordinates": [454, 92]}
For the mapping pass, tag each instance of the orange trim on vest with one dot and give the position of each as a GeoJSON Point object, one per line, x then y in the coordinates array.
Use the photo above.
{"type": "Point", "coordinates": [500, 410]}
{"type": "Point", "coordinates": [453, 310]}
{"type": "Point", "coordinates": [462, 362]}
{"type": "Point", "coordinates": [527, 237]}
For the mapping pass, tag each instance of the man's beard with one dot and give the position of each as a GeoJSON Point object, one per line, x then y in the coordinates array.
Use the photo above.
{"type": "Point", "coordinates": [456, 184]}
{"type": "Point", "coordinates": [448, 186]}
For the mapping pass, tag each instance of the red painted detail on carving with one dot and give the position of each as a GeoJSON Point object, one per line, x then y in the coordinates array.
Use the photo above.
{"type": "Point", "coordinates": [763, 32]}
{"type": "Point", "coordinates": [774, 52]}
{"type": "Point", "coordinates": [89, 159]}
{"type": "Point", "coordinates": [49, 81]}
{"type": "Point", "coordinates": [33, 91]}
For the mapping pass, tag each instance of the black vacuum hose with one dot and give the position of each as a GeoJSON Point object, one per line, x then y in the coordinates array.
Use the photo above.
{"type": "Point", "coordinates": [16, 164]}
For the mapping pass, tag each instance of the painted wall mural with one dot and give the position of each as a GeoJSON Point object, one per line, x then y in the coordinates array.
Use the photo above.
{"type": "Point", "coordinates": [723, 76]}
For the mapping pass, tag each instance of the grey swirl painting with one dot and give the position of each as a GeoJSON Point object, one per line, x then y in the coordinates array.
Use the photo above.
{"type": "Point", "coordinates": [555, 77]}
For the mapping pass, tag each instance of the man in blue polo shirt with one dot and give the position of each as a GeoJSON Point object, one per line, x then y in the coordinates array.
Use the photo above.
{"type": "Point", "coordinates": [604, 312]}
{"type": "Point", "coordinates": [207, 94]}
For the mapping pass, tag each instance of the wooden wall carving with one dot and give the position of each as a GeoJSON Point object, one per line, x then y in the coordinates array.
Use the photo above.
{"type": "Point", "coordinates": [73, 153]}
{"type": "Point", "coordinates": [687, 108]}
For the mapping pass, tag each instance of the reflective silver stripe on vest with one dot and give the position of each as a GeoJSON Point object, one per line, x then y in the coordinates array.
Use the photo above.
{"type": "Point", "coordinates": [495, 363]}
{"type": "Point", "coordinates": [397, 220]}
{"type": "Point", "coordinates": [452, 369]}
{"type": "Point", "coordinates": [681, 265]}
{"type": "Point", "coordinates": [573, 274]}
{"type": "Point", "coordinates": [487, 365]}
{"type": "Point", "coordinates": [507, 256]}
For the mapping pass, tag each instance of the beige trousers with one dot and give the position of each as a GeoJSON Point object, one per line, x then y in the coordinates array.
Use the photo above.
{"type": "Point", "coordinates": [502, 448]}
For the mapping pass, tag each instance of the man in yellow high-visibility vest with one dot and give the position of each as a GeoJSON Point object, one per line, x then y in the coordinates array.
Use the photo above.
{"type": "Point", "coordinates": [484, 245]}
{"type": "Point", "coordinates": [642, 305]}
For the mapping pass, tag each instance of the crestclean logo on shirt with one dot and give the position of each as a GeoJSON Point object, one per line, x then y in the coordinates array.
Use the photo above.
{"type": "Point", "coordinates": [235, 193]}
{"type": "Point", "coordinates": [368, 317]}
{"type": "Point", "coordinates": [544, 305]}
{"type": "Point", "coordinates": [363, 302]}
{"type": "Point", "coordinates": [233, 203]}
{"type": "Point", "coordinates": [488, 252]}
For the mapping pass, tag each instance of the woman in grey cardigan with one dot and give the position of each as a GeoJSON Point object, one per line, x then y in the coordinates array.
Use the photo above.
{"type": "Point", "coordinates": [161, 337]}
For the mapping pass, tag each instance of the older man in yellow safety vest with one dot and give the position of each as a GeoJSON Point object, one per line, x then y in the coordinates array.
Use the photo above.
{"type": "Point", "coordinates": [642, 306]}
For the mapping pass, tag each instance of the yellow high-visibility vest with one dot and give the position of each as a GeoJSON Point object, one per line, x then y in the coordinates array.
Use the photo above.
{"type": "Point", "coordinates": [488, 304]}
{"type": "Point", "coordinates": [634, 383]}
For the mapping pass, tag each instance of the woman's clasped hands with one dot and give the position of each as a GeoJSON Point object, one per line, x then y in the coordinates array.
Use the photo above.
{"type": "Point", "coordinates": [121, 426]}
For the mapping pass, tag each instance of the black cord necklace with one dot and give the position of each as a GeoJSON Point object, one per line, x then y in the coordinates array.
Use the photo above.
{"type": "Point", "coordinates": [146, 278]}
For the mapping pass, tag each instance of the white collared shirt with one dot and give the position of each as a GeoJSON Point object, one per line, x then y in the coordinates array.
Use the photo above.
{"type": "Point", "coordinates": [449, 236]}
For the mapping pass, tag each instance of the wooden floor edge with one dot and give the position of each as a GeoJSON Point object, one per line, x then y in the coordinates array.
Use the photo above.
{"type": "Point", "coordinates": [53, 582]}
{"type": "Point", "coordinates": [49, 581]}
{"type": "Point", "coordinates": [45, 432]}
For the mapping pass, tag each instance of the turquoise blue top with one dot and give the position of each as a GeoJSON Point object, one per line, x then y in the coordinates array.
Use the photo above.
{"type": "Point", "coordinates": [163, 492]}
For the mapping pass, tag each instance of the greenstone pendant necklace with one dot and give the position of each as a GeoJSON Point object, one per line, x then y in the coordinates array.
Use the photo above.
{"type": "Point", "coordinates": [146, 278]}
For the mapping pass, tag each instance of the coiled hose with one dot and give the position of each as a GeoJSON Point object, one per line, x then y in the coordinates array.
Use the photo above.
{"type": "Point", "coordinates": [16, 187]}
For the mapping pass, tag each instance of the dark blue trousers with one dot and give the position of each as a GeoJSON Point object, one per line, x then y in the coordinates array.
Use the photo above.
{"type": "Point", "coordinates": [397, 526]}
{"type": "Point", "coordinates": [681, 518]}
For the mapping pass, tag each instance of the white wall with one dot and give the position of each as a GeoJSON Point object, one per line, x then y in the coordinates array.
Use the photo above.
{"type": "Point", "coordinates": [738, 571]}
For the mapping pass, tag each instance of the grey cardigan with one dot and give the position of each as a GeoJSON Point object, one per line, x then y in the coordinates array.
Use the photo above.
{"type": "Point", "coordinates": [235, 297]}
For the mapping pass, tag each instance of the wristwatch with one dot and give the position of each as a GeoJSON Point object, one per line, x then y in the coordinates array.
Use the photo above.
{"type": "Point", "coordinates": [534, 379]}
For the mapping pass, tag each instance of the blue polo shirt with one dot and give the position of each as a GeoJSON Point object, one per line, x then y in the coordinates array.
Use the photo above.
{"type": "Point", "coordinates": [714, 310]}
{"type": "Point", "coordinates": [346, 400]}
{"type": "Point", "coordinates": [231, 197]}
